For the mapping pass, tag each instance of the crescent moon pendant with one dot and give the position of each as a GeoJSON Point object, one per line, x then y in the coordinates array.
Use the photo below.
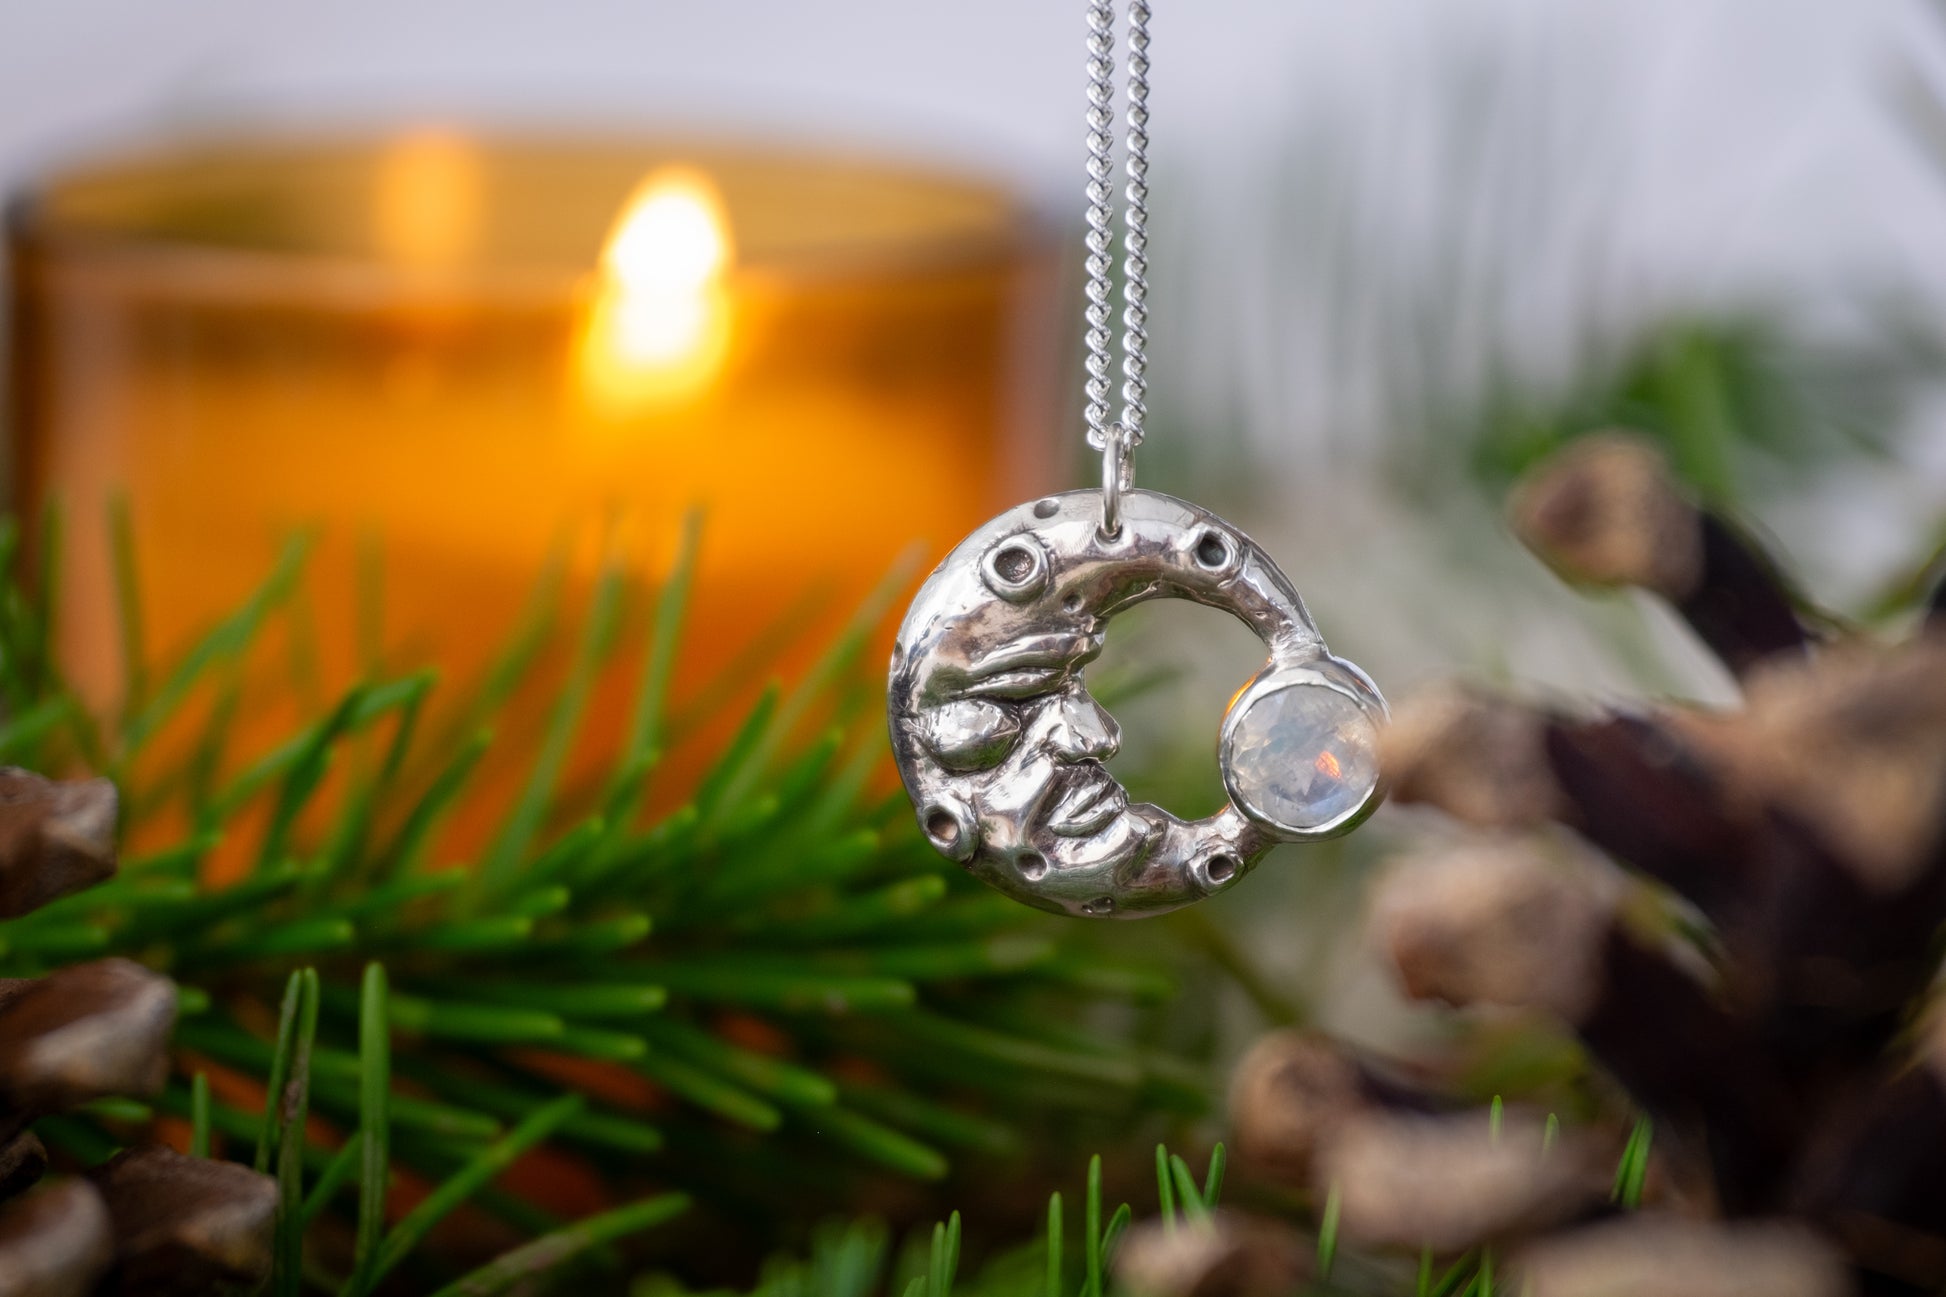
{"type": "Point", "coordinates": [1003, 750]}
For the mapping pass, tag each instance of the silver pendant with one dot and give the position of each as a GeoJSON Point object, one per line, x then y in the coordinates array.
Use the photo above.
{"type": "Point", "coordinates": [1001, 747]}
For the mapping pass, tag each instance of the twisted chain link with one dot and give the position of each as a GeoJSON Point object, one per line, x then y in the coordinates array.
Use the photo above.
{"type": "Point", "coordinates": [1101, 215]}
{"type": "Point", "coordinates": [1135, 231]}
{"type": "Point", "coordinates": [1101, 222]}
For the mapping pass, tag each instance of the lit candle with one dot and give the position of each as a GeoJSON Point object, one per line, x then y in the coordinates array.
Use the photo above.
{"type": "Point", "coordinates": [659, 323]}
{"type": "Point", "coordinates": [468, 351]}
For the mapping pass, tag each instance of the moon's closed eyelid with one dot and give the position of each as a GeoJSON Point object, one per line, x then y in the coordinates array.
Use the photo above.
{"type": "Point", "coordinates": [970, 733]}
{"type": "Point", "coordinates": [1029, 682]}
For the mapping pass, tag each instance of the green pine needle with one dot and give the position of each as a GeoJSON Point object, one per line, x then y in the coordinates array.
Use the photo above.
{"type": "Point", "coordinates": [597, 638]}
{"type": "Point", "coordinates": [881, 1144]}
{"type": "Point", "coordinates": [335, 1175]}
{"type": "Point", "coordinates": [1165, 1188]}
{"type": "Point", "coordinates": [1213, 1176]}
{"type": "Point", "coordinates": [199, 1115]}
{"type": "Point", "coordinates": [1111, 1234]}
{"type": "Point", "coordinates": [436, 803]}
{"type": "Point", "coordinates": [128, 604]}
{"type": "Point", "coordinates": [1091, 1237]}
{"type": "Point", "coordinates": [1054, 1232]}
{"type": "Point", "coordinates": [1633, 1169]}
{"type": "Point", "coordinates": [700, 1087]}
{"type": "Point", "coordinates": [1459, 1275]}
{"type": "Point", "coordinates": [227, 640]}
{"type": "Point", "coordinates": [374, 1134]}
{"type": "Point", "coordinates": [1328, 1233]}
{"type": "Point", "coordinates": [469, 1179]}
{"type": "Point", "coordinates": [643, 746]}
{"type": "Point", "coordinates": [1187, 1192]}
{"type": "Point", "coordinates": [943, 1259]}
{"type": "Point", "coordinates": [529, 1262]}
{"type": "Point", "coordinates": [280, 1069]}
{"type": "Point", "coordinates": [291, 1107]}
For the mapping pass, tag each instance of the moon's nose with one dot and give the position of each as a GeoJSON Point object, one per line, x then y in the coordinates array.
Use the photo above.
{"type": "Point", "coordinates": [1082, 730]}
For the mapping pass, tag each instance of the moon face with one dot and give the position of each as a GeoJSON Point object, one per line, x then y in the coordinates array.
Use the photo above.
{"type": "Point", "coordinates": [1003, 750]}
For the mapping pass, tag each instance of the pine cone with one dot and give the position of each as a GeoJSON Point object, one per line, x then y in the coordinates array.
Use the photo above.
{"type": "Point", "coordinates": [150, 1221]}
{"type": "Point", "coordinates": [1808, 828]}
{"type": "Point", "coordinates": [55, 838]}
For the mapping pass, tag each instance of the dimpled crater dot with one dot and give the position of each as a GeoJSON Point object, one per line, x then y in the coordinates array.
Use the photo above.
{"type": "Point", "coordinates": [1303, 757]}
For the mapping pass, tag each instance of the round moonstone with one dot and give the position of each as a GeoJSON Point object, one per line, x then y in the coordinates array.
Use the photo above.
{"type": "Point", "coordinates": [1302, 757]}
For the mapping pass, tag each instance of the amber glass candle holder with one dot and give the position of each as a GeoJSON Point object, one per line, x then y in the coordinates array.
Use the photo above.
{"type": "Point", "coordinates": [457, 356]}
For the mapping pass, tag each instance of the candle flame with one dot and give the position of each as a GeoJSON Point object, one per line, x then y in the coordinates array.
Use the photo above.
{"type": "Point", "coordinates": [659, 323]}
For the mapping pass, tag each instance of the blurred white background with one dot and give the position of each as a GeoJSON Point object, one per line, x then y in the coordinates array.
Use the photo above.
{"type": "Point", "coordinates": [1792, 90]}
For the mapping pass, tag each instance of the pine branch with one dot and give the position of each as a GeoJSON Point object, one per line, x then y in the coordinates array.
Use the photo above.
{"type": "Point", "coordinates": [769, 954]}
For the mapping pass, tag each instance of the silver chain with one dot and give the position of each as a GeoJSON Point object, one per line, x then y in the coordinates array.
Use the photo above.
{"type": "Point", "coordinates": [1101, 220]}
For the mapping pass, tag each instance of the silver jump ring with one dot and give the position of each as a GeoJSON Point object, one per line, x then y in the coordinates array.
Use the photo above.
{"type": "Point", "coordinates": [1117, 476]}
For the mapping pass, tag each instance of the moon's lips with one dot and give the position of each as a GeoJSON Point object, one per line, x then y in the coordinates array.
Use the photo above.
{"type": "Point", "coordinates": [1088, 806]}
{"type": "Point", "coordinates": [1001, 747]}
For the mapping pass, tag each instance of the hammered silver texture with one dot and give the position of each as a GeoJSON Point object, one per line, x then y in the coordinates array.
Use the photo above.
{"type": "Point", "coordinates": [1000, 744]}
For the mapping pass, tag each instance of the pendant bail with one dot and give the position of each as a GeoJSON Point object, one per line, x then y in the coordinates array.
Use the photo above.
{"type": "Point", "coordinates": [1117, 476]}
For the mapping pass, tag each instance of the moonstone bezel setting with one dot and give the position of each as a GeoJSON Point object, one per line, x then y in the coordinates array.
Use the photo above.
{"type": "Point", "coordinates": [1327, 672]}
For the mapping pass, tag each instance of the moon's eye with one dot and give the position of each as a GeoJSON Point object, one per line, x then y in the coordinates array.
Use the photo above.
{"type": "Point", "coordinates": [950, 827]}
{"type": "Point", "coordinates": [1212, 551]}
{"type": "Point", "coordinates": [1016, 568]}
{"type": "Point", "coordinates": [970, 734]}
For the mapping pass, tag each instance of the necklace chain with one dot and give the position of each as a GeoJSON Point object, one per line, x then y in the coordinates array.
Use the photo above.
{"type": "Point", "coordinates": [1101, 220]}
